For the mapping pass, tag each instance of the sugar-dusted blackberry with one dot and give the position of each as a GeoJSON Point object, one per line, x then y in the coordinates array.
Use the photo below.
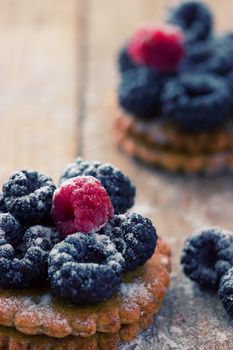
{"type": "Point", "coordinates": [220, 61]}
{"type": "Point", "coordinates": [125, 62]}
{"type": "Point", "coordinates": [134, 237]}
{"type": "Point", "coordinates": [2, 203]}
{"type": "Point", "coordinates": [226, 291]}
{"type": "Point", "coordinates": [85, 268]}
{"type": "Point", "coordinates": [195, 19]}
{"type": "Point", "coordinates": [26, 264]}
{"type": "Point", "coordinates": [208, 255]}
{"type": "Point", "coordinates": [118, 186]}
{"type": "Point", "coordinates": [12, 228]}
{"type": "Point", "coordinates": [213, 56]}
{"type": "Point", "coordinates": [196, 102]}
{"type": "Point", "coordinates": [139, 92]}
{"type": "Point", "coordinates": [229, 81]}
{"type": "Point", "coordinates": [28, 196]}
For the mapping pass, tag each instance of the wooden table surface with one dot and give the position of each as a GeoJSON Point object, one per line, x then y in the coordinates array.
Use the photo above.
{"type": "Point", "coordinates": [57, 71]}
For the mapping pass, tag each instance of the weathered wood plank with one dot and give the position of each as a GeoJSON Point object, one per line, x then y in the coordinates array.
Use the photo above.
{"type": "Point", "coordinates": [39, 64]}
{"type": "Point", "coordinates": [189, 318]}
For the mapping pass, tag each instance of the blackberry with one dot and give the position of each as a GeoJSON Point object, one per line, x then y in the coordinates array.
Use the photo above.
{"type": "Point", "coordinates": [12, 228]}
{"type": "Point", "coordinates": [125, 62]}
{"type": "Point", "coordinates": [85, 268]}
{"type": "Point", "coordinates": [230, 82]}
{"type": "Point", "coordinates": [28, 196]}
{"type": "Point", "coordinates": [134, 237]}
{"type": "Point", "coordinates": [26, 264]}
{"type": "Point", "coordinates": [118, 186]}
{"type": "Point", "coordinates": [196, 102]}
{"type": "Point", "coordinates": [194, 18]}
{"type": "Point", "coordinates": [226, 291]}
{"type": "Point", "coordinates": [208, 255]}
{"type": "Point", "coordinates": [139, 92]}
{"type": "Point", "coordinates": [220, 60]}
{"type": "Point", "coordinates": [214, 56]}
{"type": "Point", "coordinates": [2, 204]}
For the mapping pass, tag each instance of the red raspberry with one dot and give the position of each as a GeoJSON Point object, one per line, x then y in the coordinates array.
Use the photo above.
{"type": "Point", "coordinates": [160, 47]}
{"type": "Point", "coordinates": [81, 204]}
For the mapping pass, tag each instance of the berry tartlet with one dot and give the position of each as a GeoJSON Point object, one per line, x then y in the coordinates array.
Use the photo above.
{"type": "Point", "coordinates": [174, 102]}
{"type": "Point", "coordinates": [73, 263]}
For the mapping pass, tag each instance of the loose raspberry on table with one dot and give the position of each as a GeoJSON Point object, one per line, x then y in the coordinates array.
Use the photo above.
{"type": "Point", "coordinates": [196, 102]}
{"type": "Point", "coordinates": [81, 204]}
{"type": "Point", "coordinates": [28, 196]}
{"type": "Point", "coordinates": [160, 47]}
{"type": "Point", "coordinates": [134, 237]}
{"type": "Point", "coordinates": [12, 228]}
{"type": "Point", "coordinates": [85, 269]}
{"type": "Point", "coordinates": [118, 186]}
{"type": "Point", "coordinates": [194, 18]}
{"type": "Point", "coordinates": [208, 255]}
{"type": "Point", "coordinates": [226, 291]}
{"type": "Point", "coordinates": [26, 264]}
{"type": "Point", "coordinates": [140, 91]}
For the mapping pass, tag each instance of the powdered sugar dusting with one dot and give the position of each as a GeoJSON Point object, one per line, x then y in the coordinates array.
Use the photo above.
{"type": "Point", "coordinates": [134, 290]}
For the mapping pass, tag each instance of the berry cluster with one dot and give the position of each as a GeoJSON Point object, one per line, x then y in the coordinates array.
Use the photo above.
{"type": "Point", "coordinates": [208, 260]}
{"type": "Point", "coordinates": [157, 66]}
{"type": "Point", "coordinates": [118, 186]}
{"type": "Point", "coordinates": [98, 246]}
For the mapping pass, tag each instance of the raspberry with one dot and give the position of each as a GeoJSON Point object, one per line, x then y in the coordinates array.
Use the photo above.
{"type": "Point", "coordinates": [81, 204]}
{"type": "Point", "coordinates": [208, 255]}
{"type": "Point", "coordinates": [194, 18]}
{"type": "Point", "coordinates": [85, 268]}
{"type": "Point", "coordinates": [124, 61]}
{"type": "Point", "coordinates": [226, 291]}
{"type": "Point", "coordinates": [160, 47]}
{"type": "Point", "coordinates": [26, 264]}
{"type": "Point", "coordinates": [12, 228]}
{"type": "Point", "coordinates": [139, 92]}
{"type": "Point", "coordinates": [196, 102]}
{"type": "Point", "coordinates": [28, 196]}
{"type": "Point", "coordinates": [2, 204]}
{"type": "Point", "coordinates": [134, 237]}
{"type": "Point", "coordinates": [118, 186]}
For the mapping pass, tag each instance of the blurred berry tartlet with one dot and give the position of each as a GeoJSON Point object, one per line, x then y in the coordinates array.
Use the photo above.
{"type": "Point", "coordinates": [74, 264]}
{"type": "Point", "coordinates": [174, 103]}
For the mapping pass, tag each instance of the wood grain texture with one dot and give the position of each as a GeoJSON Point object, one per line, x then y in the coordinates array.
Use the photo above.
{"type": "Point", "coordinates": [39, 46]}
{"type": "Point", "coordinates": [189, 319]}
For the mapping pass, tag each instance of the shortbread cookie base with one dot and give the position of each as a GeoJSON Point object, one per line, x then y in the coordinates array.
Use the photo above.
{"type": "Point", "coordinates": [159, 145]}
{"type": "Point", "coordinates": [141, 293]}
{"type": "Point", "coordinates": [176, 162]}
{"type": "Point", "coordinates": [11, 339]}
{"type": "Point", "coordinates": [162, 134]}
